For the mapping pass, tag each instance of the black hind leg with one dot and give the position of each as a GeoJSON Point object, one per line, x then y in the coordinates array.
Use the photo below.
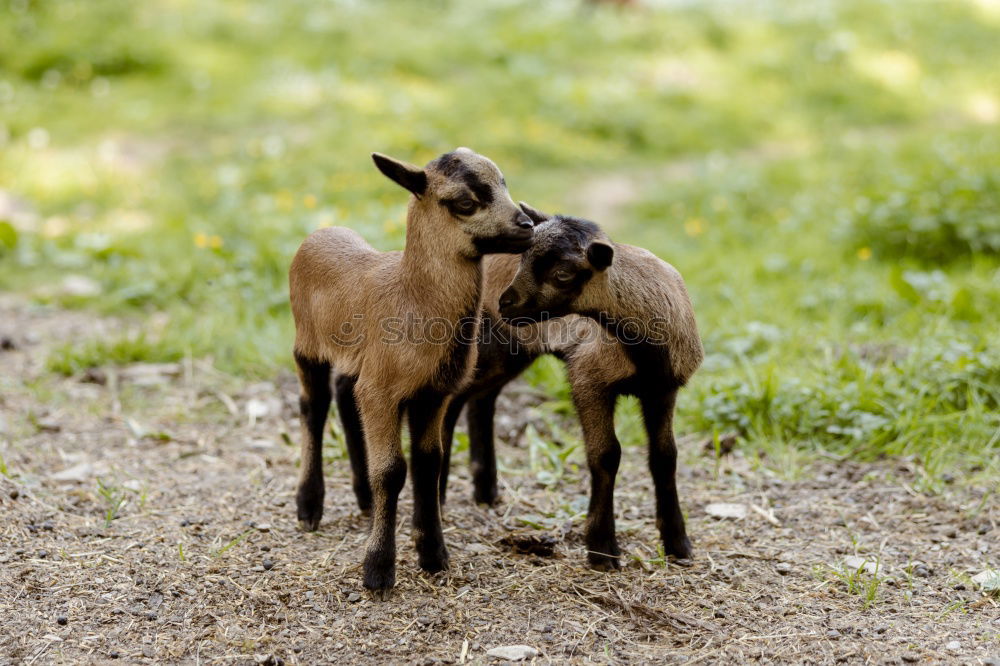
{"type": "Point", "coordinates": [354, 438]}
{"type": "Point", "coordinates": [314, 405]}
{"type": "Point", "coordinates": [482, 453]}
{"type": "Point", "coordinates": [658, 414]}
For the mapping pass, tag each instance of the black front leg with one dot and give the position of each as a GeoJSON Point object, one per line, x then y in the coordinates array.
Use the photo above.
{"type": "Point", "coordinates": [596, 409]}
{"type": "Point", "coordinates": [426, 415]}
{"type": "Point", "coordinates": [658, 414]}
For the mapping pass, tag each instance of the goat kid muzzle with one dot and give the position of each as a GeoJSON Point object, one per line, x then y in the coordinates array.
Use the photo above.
{"type": "Point", "coordinates": [518, 311]}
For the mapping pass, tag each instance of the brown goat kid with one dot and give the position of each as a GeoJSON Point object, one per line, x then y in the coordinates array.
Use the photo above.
{"type": "Point", "coordinates": [376, 320]}
{"type": "Point", "coordinates": [647, 345]}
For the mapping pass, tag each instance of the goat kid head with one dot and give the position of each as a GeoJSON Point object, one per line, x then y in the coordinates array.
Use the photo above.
{"type": "Point", "coordinates": [568, 256]}
{"type": "Point", "coordinates": [467, 193]}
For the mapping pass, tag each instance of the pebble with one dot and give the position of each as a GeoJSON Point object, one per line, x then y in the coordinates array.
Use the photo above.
{"type": "Point", "coordinates": [354, 597]}
{"type": "Point", "coordinates": [268, 565]}
{"type": "Point", "coordinates": [911, 658]}
{"type": "Point", "coordinates": [719, 614]}
{"type": "Point", "coordinates": [954, 646]}
{"type": "Point", "coordinates": [62, 620]}
{"type": "Point", "coordinates": [7, 343]}
{"type": "Point", "coordinates": [113, 654]}
{"type": "Point", "coordinates": [513, 652]}
{"type": "Point", "coordinates": [992, 661]}
{"type": "Point", "coordinates": [15, 493]}
{"type": "Point", "coordinates": [833, 634]}
{"type": "Point", "coordinates": [784, 568]}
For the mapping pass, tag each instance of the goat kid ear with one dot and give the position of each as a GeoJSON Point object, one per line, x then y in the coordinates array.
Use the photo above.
{"type": "Point", "coordinates": [536, 215]}
{"type": "Point", "coordinates": [600, 255]}
{"type": "Point", "coordinates": [408, 175]}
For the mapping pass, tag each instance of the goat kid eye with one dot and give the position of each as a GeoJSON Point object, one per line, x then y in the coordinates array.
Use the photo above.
{"type": "Point", "coordinates": [563, 277]}
{"type": "Point", "coordinates": [465, 206]}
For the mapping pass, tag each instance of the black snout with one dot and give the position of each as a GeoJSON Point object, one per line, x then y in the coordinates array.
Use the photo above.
{"type": "Point", "coordinates": [523, 221]}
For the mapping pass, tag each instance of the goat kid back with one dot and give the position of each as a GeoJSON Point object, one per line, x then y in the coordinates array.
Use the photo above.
{"type": "Point", "coordinates": [398, 332]}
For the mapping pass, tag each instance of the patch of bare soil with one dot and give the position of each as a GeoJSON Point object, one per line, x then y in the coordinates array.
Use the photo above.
{"type": "Point", "coordinates": [151, 518]}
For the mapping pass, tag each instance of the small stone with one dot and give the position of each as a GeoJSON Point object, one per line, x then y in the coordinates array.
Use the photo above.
{"type": "Point", "coordinates": [911, 657]}
{"type": "Point", "coordinates": [881, 629]}
{"type": "Point", "coordinates": [268, 565]}
{"type": "Point", "coordinates": [423, 620]}
{"type": "Point", "coordinates": [42, 554]}
{"type": "Point", "coordinates": [854, 563]}
{"type": "Point", "coordinates": [784, 568]}
{"type": "Point", "coordinates": [833, 634]}
{"type": "Point", "coordinates": [354, 597]}
{"type": "Point", "coordinates": [7, 343]}
{"type": "Point", "coordinates": [113, 654]}
{"type": "Point", "coordinates": [719, 614]}
{"type": "Point", "coordinates": [988, 580]}
{"type": "Point", "coordinates": [722, 510]}
{"type": "Point", "coordinates": [14, 493]}
{"type": "Point", "coordinates": [151, 615]}
{"type": "Point", "coordinates": [992, 661]}
{"type": "Point", "coordinates": [954, 646]}
{"type": "Point", "coordinates": [513, 652]}
{"type": "Point", "coordinates": [263, 527]}
{"type": "Point", "coordinates": [62, 620]}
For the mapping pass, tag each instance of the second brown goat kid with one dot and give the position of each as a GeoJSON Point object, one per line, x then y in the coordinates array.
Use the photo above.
{"type": "Point", "coordinates": [650, 348]}
{"type": "Point", "coordinates": [376, 320]}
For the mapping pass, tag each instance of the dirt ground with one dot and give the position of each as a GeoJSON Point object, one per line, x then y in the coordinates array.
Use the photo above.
{"type": "Point", "coordinates": [148, 515]}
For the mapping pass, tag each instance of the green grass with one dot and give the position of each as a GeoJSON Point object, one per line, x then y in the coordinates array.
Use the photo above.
{"type": "Point", "coordinates": [826, 179]}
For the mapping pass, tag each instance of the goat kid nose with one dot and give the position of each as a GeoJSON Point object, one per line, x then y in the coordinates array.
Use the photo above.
{"type": "Point", "coordinates": [524, 221]}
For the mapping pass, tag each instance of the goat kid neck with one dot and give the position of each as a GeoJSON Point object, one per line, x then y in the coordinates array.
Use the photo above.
{"type": "Point", "coordinates": [441, 275]}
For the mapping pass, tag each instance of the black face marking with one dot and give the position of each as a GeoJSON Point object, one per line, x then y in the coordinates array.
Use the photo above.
{"type": "Point", "coordinates": [453, 166]}
{"type": "Point", "coordinates": [482, 191]}
{"type": "Point", "coordinates": [461, 206]}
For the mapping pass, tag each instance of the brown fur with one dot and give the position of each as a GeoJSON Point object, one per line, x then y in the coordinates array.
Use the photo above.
{"type": "Point", "coordinates": [347, 299]}
{"type": "Point", "coordinates": [636, 286]}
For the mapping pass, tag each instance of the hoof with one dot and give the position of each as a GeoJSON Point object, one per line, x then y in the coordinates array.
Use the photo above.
{"type": "Point", "coordinates": [432, 559]}
{"type": "Point", "coordinates": [487, 496]}
{"type": "Point", "coordinates": [679, 548]}
{"type": "Point", "coordinates": [602, 562]}
{"type": "Point", "coordinates": [309, 524]}
{"type": "Point", "coordinates": [309, 506]}
{"type": "Point", "coordinates": [603, 554]}
{"type": "Point", "coordinates": [309, 516]}
{"type": "Point", "coordinates": [380, 580]}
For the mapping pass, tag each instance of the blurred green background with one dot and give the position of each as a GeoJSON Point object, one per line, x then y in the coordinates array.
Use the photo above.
{"type": "Point", "coordinates": [826, 175]}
